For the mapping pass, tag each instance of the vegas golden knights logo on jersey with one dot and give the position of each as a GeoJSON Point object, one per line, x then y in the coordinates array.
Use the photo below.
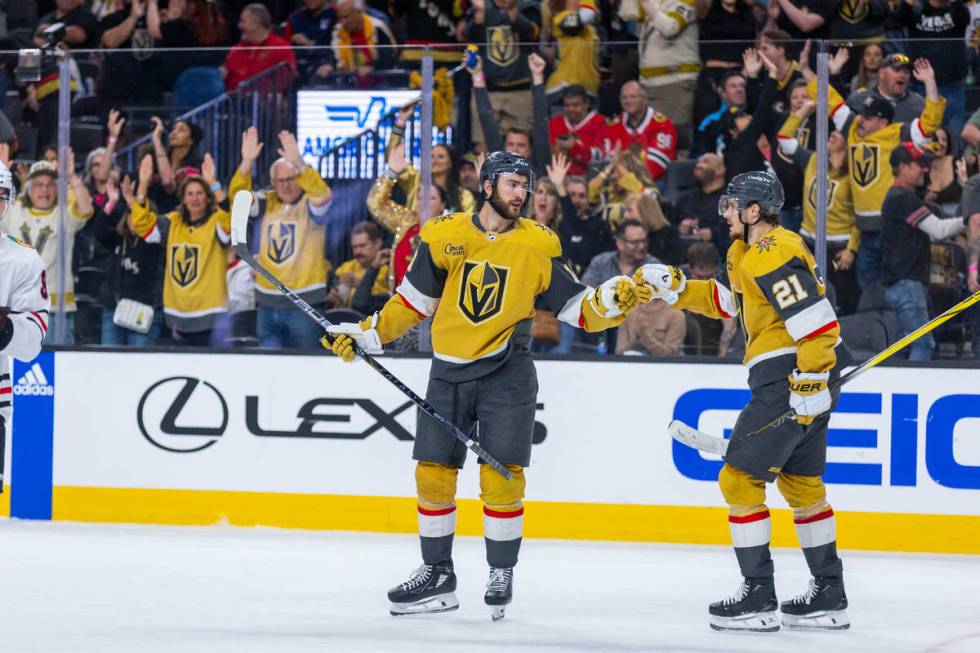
{"type": "Point", "coordinates": [864, 163]}
{"type": "Point", "coordinates": [184, 263]}
{"type": "Point", "coordinates": [811, 197]}
{"type": "Point", "coordinates": [481, 290]}
{"type": "Point", "coordinates": [281, 238]}
{"type": "Point", "coordinates": [501, 47]}
{"type": "Point", "coordinates": [854, 11]}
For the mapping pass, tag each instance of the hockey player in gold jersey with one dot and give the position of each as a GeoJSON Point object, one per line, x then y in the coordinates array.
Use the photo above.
{"type": "Point", "coordinates": [479, 276]}
{"type": "Point", "coordinates": [792, 352]}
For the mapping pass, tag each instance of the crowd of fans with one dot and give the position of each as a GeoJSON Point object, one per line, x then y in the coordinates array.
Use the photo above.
{"type": "Point", "coordinates": [634, 113]}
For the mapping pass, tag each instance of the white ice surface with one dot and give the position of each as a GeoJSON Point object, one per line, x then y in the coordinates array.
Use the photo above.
{"type": "Point", "coordinates": [70, 588]}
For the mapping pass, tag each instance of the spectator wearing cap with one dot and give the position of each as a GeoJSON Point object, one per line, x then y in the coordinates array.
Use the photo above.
{"type": "Point", "coordinates": [732, 91]}
{"type": "Point", "coordinates": [506, 31]}
{"type": "Point", "coordinates": [935, 30]}
{"type": "Point", "coordinates": [259, 49]}
{"type": "Point", "coordinates": [35, 219]}
{"type": "Point", "coordinates": [894, 75]}
{"type": "Point", "coordinates": [909, 224]}
{"type": "Point", "coordinates": [871, 136]}
{"type": "Point", "coordinates": [579, 131]}
{"type": "Point", "coordinates": [572, 23]}
{"type": "Point", "coordinates": [669, 57]}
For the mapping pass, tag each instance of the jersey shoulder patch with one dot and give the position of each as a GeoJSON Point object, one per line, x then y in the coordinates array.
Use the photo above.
{"type": "Point", "coordinates": [539, 236]}
{"type": "Point", "coordinates": [773, 250]}
{"type": "Point", "coordinates": [659, 117]}
{"type": "Point", "coordinates": [444, 226]}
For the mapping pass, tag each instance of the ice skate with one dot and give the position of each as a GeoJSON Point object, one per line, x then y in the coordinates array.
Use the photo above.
{"type": "Point", "coordinates": [430, 589]}
{"type": "Point", "coordinates": [821, 607]}
{"type": "Point", "coordinates": [751, 608]}
{"type": "Point", "coordinates": [500, 591]}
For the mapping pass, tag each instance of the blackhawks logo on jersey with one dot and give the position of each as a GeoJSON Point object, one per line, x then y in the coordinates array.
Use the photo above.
{"type": "Point", "coordinates": [184, 263]}
{"type": "Point", "coordinates": [482, 288]}
{"type": "Point", "coordinates": [281, 238]}
{"type": "Point", "coordinates": [864, 163]}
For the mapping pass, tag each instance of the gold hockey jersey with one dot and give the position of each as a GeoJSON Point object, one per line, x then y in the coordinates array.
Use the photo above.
{"type": "Point", "coordinates": [779, 297]}
{"type": "Point", "coordinates": [841, 226]}
{"type": "Point", "coordinates": [481, 288]}
{"type": "Point", "coordinates": [292, 240]}
{"type": "Point", "coordinates": [871, 174]}
{"type": "Point", "coordinates": [195, 286]}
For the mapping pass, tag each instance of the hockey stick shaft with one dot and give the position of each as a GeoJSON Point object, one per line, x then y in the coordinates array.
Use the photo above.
{"type": "Point", "coordinates": [888, 352]}
{"type": "Point", "coordinates": [240, 246]}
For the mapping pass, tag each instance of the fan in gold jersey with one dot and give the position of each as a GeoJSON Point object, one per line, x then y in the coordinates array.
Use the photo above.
{"type": "Point", "coordinates": [479, 276]}
{"type": "Point", "coordinates": [791, 352]}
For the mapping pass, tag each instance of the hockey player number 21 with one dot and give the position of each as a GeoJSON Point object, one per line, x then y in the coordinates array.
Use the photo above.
{"type": "Point", "coordinates": [788, 291]}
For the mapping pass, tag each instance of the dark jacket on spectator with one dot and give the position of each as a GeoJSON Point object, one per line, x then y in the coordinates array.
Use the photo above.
{"type": "Point", "coordinates": [540, 143]}
{"type": "Point", "coordinates": [138, 270]}
{"type": "Point", "coordinates": [581, 240]}
{"type": "Point", "coordinates": [936, 33]}
{"type": "Point", "coordinates": [504, 62]}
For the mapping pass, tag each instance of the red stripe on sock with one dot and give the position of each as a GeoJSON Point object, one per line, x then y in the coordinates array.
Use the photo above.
{"type": "Point", "coordinates": [748, 519]}
{"type": "Point", "coordinates": [6, 391]}
{"type": "Point", "coordinates": [826, 514]}
{"type": "Point", "coordinates": [502, 515]}
{"type": "Point", "coordinates": [436, 513]}
{"type": "Point", "coordinates": [44, 325]}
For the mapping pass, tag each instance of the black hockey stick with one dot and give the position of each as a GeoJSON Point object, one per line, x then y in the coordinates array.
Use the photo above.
{"type": "Point", "coordinates": [240, 208]}
{"type": "Point", "coordinates": [713, 444]}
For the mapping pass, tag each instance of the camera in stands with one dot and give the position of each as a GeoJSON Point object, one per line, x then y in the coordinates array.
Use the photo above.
{"type": "Point", "coordinates": [30, 61]}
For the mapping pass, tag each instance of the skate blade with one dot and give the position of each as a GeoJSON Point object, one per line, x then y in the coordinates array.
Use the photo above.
{"type": "Point", "coordinates": [497, 612]}
{"type": "Point", "coordinates": [758, 622]}
{"type": "Point", "coordinates": [824, 620]}
{"type": "Point", "coordinates": [431, 605]}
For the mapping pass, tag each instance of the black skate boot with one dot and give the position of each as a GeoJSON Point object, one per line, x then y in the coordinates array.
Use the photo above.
{"type": "Point", "coordinates": [752, 607]}
{"type": "Point", "coordinates": [430, 589]}
{"type": "Point", "coordinates": [500, 590]}
{"type": "Point", "coordinates": [821, 607]}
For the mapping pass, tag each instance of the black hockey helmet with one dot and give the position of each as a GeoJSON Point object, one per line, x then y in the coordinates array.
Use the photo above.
{"type": "Point", "coordinates": [758, 187]}
{"type": "Point", "coordinates": [499, 163]}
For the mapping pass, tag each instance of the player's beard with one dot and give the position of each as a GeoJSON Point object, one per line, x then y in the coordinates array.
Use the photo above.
{"type": "Point", "coordinates": [504, 210]}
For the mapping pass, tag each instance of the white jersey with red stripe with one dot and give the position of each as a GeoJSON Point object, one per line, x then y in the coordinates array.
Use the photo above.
{"type": "Point", "coordinates": [23, 292]}
{"type": "Point", "coordinates": [656, 136]}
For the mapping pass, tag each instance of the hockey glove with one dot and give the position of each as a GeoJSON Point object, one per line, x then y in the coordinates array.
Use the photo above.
{"type": "Point", "coordinates": [616, 296]}
{"type": "Point", "coordinates": [346, 333]}
{"type": "Point", "coordinates": [809, 395]}
{"type": "Point", "coordinates": [667, 281]}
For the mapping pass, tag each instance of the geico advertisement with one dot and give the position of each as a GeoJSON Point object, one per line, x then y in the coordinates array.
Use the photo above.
{"type": "Point", "coordinates": [901, 440]}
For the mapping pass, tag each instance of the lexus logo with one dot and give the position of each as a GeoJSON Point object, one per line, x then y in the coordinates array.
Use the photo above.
{"type": "Point", "coordinates": [197, 405]}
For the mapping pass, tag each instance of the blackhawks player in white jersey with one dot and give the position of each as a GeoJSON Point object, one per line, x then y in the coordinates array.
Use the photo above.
{"type": "Point", "coordinates": [794, 352]}
{"type": "Point", "coordinates": [23, 307]}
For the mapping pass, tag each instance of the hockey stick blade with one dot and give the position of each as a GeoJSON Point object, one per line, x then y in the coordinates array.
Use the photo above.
{"type": "Point", "coordinates": [240, 209]}
{"type": "Point", "coordinates": [698, 439]}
